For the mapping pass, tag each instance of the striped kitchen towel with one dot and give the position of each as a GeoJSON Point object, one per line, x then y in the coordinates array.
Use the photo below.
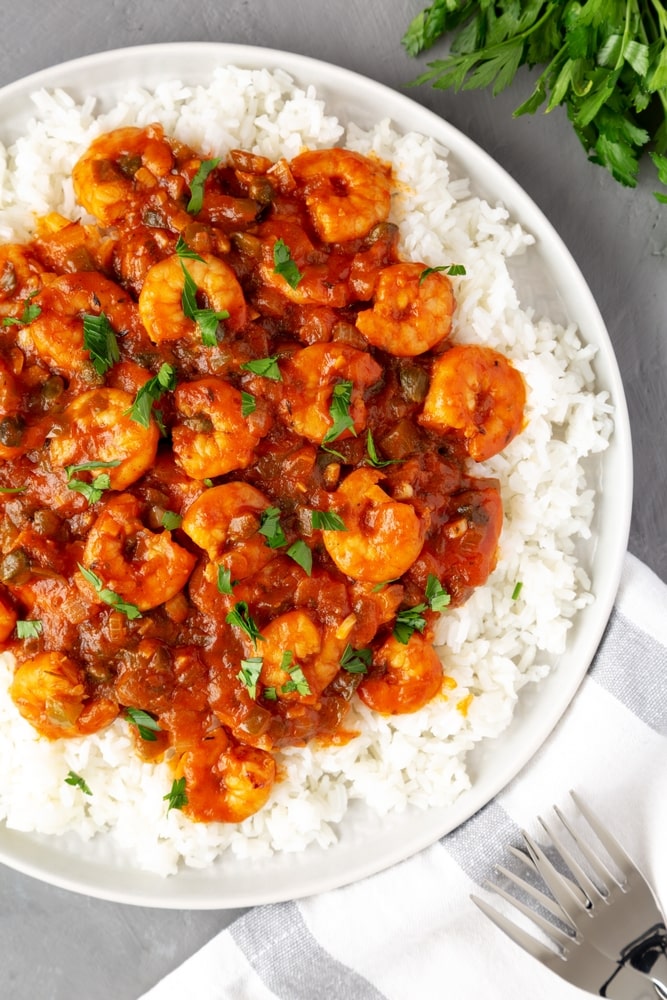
{"type": "Point", "coordinates": [412, 932]}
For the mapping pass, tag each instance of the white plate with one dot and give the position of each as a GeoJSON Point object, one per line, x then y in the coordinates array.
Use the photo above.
{"type": "Point", "coordinates": [550, 280]}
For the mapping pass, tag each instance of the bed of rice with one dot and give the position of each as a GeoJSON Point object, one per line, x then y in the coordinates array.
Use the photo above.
{"type": "Point", "coordinates": [492, 647]}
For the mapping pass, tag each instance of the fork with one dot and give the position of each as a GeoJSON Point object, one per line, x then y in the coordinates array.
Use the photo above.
{"type": "Point", "coordinates": [598, 951]}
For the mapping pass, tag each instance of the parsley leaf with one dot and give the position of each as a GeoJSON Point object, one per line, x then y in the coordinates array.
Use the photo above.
{"type": "Point", "coordinates": [30, 312]}
{"type": "Point", "coordinates": [301, 554]}
{"type": "Point", "coordinates": [248, 404]}
{"type": "Point", "coordinates": [452, 269]}
{"type": "Point", "coordinates": [91, 491]}
{"type": "Point", "coordinates": [206, 319]}
{"type": "Point", "coordinates": [266, 367]}
{"type": "Point", "coordinates": [373, 457]}
{"type": "Point", "coordinates": [30, 628]}
{"type": "Point", "coordinates": [224, 580]}
{"type": "Point", "coordinates": [249, 673]}
{"type": "Point", "coordinates": [408, 621]}
{"type": "Point", "coordinates": [146, 724]}
{"type": "Point", "coordinates": [327, 520]}
{"type": "Point", "coordinates": [110, 597]}
{"type": "Point", "coordinates": [436, 595]}
{"type": "Point", "coordinates": [340, 411]}
{"type": "Point", "coordinates": [356, 661]}
{"type": "Point", "coordinates": [196, 201]}
{"type": "Point", "coordinates": [240, 617]}
{"type": "Point", "coordinates": [100, 341]}
{"type": "Point", "coordinates": [150, 392]}
{"type": "Point", "coordinates": [284, 265]}
{"type": "Point", "coordinates": [270, 527]}
{"type": "Point", "coordinates": [171, 520]}
{"type": "Point", "coordinates": [176, 796]}
{"type": "Point", "coordinates": [78, 782]}
{"type": "Point", "coordinates": [183, 250]}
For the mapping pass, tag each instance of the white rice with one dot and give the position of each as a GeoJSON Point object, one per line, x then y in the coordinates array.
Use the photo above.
{"type": "Point", "coordinates": [492, 647]}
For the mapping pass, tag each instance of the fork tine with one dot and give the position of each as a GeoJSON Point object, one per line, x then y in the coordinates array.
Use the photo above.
{"type": "Point", "coordinates": [610, 844]}
{"type": "Point", "coordinates": [590, 892]}
{"type": "Point", "coordinates": [563, 890]}
{"type": "Point", "coordinates": [517, 934]}
{"type": "Point", "coordinates": [559, 937]}
{"type": "Point", "coordinates": [540, 897]}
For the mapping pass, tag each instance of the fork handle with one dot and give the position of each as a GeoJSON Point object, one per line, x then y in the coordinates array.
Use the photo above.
{"type": "Point", "coordinates": [650, 958]}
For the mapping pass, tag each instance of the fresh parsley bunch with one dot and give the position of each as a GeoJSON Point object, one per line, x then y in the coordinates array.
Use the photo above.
{"type": "Point", "coordinates": [605, 60]}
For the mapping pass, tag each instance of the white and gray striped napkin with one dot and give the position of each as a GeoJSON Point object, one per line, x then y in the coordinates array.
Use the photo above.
{"type": "Point", "coordinates": [412, 933]}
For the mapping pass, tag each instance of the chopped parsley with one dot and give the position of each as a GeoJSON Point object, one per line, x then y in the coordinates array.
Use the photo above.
{"type": "Point", "coordinates": [30, 628]}
{"type": "Point", "coordinates": [356, 661]}
{"type": "Point", "coordinates": [240, 617]}
{"type": "Point", "coordinates": [436, 595]}
{"type": "Point", "coordinates": [176, 796]}
{"type": "Point", "coordinates": [249, 673]}
{"type": "Point", "coordinates": [248, 404]}
{"type": "Point", "coordinates": [150, 392]}
{"type": "Point", "coordinates": [301, 554]}
{"type": "Point", "coordinates": [327, 520]}
{"type": "Point", "coordinates": [13, 489]}
{"type": "Point", "coordinates": [77, 782]}
{"type": "Point", "coordinates": [224, 580]}
{"type": "Point", "coordinates": [373, 457]}
{"type": "Point", "coordinates": [452, 269]}
{"type": "Point", "coordinates": [206, 319]}
{"type": "Point", "coordinates": [183, 250]}
{"type": "Point", "coordinates": [284, 265]}
{"type": "Point", "coordinates": [100, 341]}
{"type": "Point", "coordinates": [91, 491]}
{"type": "Point", "coordinates": [171, 520]}
{"type": "Point", "coordinates": [517, 591]}
{"type": "Point", "coordinates": [271, 528]}
{"type": "Point", "coordinates": [196, 201]}
{"type": "Point", "coordinates": [340, 411]}
{"type": "Point", "coordinates": [297, 681]}
{"type": "Point", "coordinates": [266, 367]}
{"type": "Point", "coordinates": [110, 597]}
{"type": "Point", "coordinates": [408, 621]}
{"type": "Point", "coordinates": [146, 724]}
{"type": "Point", "coordinates": [30, 312]}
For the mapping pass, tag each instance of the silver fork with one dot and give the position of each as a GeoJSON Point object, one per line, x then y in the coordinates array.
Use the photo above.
{"type": "Point", "coordinates": [614, 943]}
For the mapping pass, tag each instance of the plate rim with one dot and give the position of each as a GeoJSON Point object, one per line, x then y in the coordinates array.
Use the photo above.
{"type": "Point", "coordinates": [303, 68]}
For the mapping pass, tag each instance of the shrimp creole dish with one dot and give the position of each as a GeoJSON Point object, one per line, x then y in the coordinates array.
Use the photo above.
{"type": "Point", "coordinates": [247, 448]}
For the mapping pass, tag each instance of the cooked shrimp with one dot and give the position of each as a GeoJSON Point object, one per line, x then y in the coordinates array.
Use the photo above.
{"type": "Point", "coordinates": [299, 656]}
{"type": "Point", "coordinates": [161, 297]}
{"type": "Point", "coordinates": [224, 521]}
{"type": "Point", "coordinates": [382, 538]}
{"type": "Point", "coordinates": [20, 278]}
{"type": "Point", "coordinates": [96, 427]}
{"type": "Point", "coordinates": [145, 568]}
{"type": "Point", "coordinates": [49, 691]}
{"type": "Point", "coordinates": [310, 377]}
{"type": "Point", "coordinates": [411, 313]}
{"type": "Point", "coordinates": [404, 676]}
{"type": "Point", "coordinates": [57, 334]}
{"type": "Point", "coordinates": [225, 782]}
{"type": "Point", "coordinates": [346, 193]}
{"type": "Point", "coordinates": [211, 436]}
{"type": "Point", "coordinates": [117, 167]}
{"type": "Point", "coordinates": [477, 394]}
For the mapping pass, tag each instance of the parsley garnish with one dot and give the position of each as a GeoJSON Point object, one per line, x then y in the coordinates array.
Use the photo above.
{"type": "Point", "coordinates": [30, 628]}
{"type": "Point", "coordinates": [270, 527]}
{"type": "Point", "coordinates": [248, 404]}
{"type": "Point", "coordinates": [453, 269]}
{"type": "Point", "coordinates": [373, 457]}
{"type": "Point", "coordinates": [436, 595]}
{"type": "Point", "coordinates": [301, 554]}
{"type": "Point", "coordinates": [206, 319]}
{"type": "Point", "coordinates": [13, 489]}
{"type": "Point", "coordinates": [110, 597]}
{"type": "Point", "coordinates": [91, 491]}
{"type": "Point", "coordinates": [517, 591]}
{"type": "Point", "coordinates": [100, 340]}
{"type": "Point", "coordinates": [356, 661]}
{"type": "Point", "coordinates": [284, 265]}
{"type": "Point", "coordinates": [327, 520]}
{"type": "Point", "coordinates": [171, 520]}
{"type": "Point", "coordinates": [183, 250]}
{"type": "Point", "coordinates": [408, 621]}
{"type": "Point", "coordinates": [340, 411]}
{"type": "Point", "coordinates": [30, 312]}
{"type": "Point", "coordinates": [297, 681]}
{"type": "Point", "coordinates": [266, 367]}
{"type": "Point", "coordinates": [249, 674]}
{"type": "Point", "coordinates": [224, 580]}
{"type": "Point", "coordinates": [240, 617]}
{"type": "Point", "coordinates": [150, 392]}
{"type": "Point", "coordinates": [176, 796]}
{"type": "Point", "coordinates": [78, 782]}
{"type": "Point", "coordinates": [197, 186]}
{"type": "Point", "coordinates": [146, 724]}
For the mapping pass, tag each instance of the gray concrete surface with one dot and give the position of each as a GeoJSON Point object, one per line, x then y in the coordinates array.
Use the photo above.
{"type": "Point", "coordinates": [60, 946]}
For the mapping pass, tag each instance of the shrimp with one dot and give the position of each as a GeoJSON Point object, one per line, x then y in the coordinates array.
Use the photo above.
{"type": "Point", "coordinates": [300, 657]}
{"type": "Point", "coordinates": [20, 279]}
{"type": "Point", "coordinates": [57, 333]}
{"type": "Point", "coordinates": [382, 537]}
{"type": "Point", "coordinates": [161, 296]}
{"type": "Point", "coordinates": [96, 427]}
{"type": "Point", "coordinates": [225, 782]}
{"type": "Point", "coordinates": [211, 435]}
{"type": "Point", "coordinates": [411, 312]}
{"type": "Point", "coordinates": [145, 568]}
{"type": "Point", "coordinates": [50, 691]}
{"type": "Point", "coordinates": [478, 395]}
{"type": "Point", "coordinates": [346, 193]}
{"type": "Point", "coordinates": [310, 377]}
{"type": "Point", "coordinates": [119, 167]}
{"type": "Point", "coordinates": [404, 676]}
{"type": "Point", "coordinates": [224, 522]}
